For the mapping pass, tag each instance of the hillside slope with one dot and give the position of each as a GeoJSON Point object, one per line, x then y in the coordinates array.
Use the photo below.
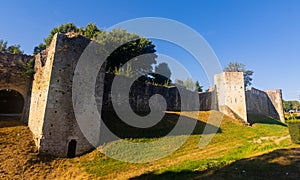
{"type": "Point", "coordinates": [236, 151]}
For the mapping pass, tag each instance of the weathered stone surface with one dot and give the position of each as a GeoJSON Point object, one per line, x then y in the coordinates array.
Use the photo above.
{"type": "Point", "coordinates": [276, 98]}
{"type": "Point", "coordinates": [140, 93]}
{"type": "Point", "coordinates": [267, 103]}
{"type": "Point", "coordinates": [231, 93]}
{"type": "Point", "coordinates": [11, 77]}
{"type": "Point", "coordinates": [52, 119]}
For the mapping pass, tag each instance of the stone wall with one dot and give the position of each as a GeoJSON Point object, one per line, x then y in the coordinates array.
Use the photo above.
{"type": "Point", "coordinates": [177, 99]}
{"type": "Point", "coordinates": [231, 94]}
{"type": "Point", "coordinates": [208, 100]}
{"type": "Point", "coordinates": [267, 103]}
{"type": "Point", "coordinates": [11, 77]}
{"type": "Point", "coordinates": [52, 118]}
{"type": "Point", "coordinates": [276, 98]}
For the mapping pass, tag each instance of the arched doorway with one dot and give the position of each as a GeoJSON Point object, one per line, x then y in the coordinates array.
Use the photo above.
{"type": "Point", "coordinates": [11, 103]}
{"type": "Point", "coordinates": [72, 148]}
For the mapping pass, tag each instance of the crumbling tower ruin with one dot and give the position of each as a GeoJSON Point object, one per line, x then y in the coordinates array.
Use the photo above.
{"type": "Point", "coordinates": [52, 118]}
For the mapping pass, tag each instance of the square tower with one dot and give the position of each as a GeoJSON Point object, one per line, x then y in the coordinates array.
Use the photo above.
{"type": "Point", "coordinates": [231, 94]}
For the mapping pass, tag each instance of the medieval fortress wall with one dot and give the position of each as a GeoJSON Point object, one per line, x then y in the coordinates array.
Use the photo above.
{"type": "Point", "coordinates": [11, 77]}
{"type": "Point", "coordinates": [231, 94]}
{"type": "Point", "coordinates": [267, 102]}
{"type": "Point", "coordinates": [52, 119]}
{"type": "Point", "coordinates": [177, 98]}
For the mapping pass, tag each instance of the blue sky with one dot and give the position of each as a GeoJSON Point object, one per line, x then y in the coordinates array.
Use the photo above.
{"type": "Point", "coordinates": [262, 34]}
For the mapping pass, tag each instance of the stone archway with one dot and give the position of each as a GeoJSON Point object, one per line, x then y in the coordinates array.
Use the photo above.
{"type": "Point", "coordinates": [12, 79]}
{"type": "Point", "coordinates": [11, 103]}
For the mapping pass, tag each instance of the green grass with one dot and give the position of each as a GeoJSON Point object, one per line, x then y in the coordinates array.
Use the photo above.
{"type": "Point", "coordinates": [232, 143]}
{"type": "Point", "coordinates": [261, 151]}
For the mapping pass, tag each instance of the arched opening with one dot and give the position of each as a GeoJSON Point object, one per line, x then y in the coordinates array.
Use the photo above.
{"type": "Point", "coordinates": [72, 148]}
{"type": "Point", "coordinates": [11, 103]}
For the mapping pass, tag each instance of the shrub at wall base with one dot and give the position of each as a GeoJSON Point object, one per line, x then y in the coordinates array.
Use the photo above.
{"type": "Point", "coordinates": [294, 129]}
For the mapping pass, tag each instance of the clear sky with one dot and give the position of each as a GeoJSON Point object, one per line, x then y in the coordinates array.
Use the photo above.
{"type": "Point", "coordinates": [262, 34]}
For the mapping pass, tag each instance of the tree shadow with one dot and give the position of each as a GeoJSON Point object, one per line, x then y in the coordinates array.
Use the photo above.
{"type": "Point", "coordinates": [162, 128]}
{"type": "Point", "coordinates": [279, 164]}
{"type": "Point", "coordinates": [263, 119]}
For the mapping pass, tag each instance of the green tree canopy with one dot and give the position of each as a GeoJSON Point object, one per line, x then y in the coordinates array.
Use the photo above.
{"type": "Point", "coordinates": [198, 88]}
{"type": "Point", "coordinates": [39, 48]}
{"type": "Point", "coordinates": [239, 67]}
{"type": "Point", "coordinates": [64, 28]}
{"type": "Point", "coordinates": [291, 105]}
{"type": "Point", "coordinates": [90, 31]}
{"type": "Point", "coordinates": [161, 74]}
{"type": "Point", "coordinates": [189, 84]}
{"type": "Point", "coordinates": [163, 69]}
{"type": "Point", "coordinates": [3, 45]}
{"type": "Point", "coordinates": [179, 82]}
{"type": "Point", "coordinates": [133, 47]}
{"type": "Point", "coordinates": [14, 49]}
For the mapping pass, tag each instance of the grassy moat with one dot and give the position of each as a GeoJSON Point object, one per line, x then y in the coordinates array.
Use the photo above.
{"type": "Point", "coordinates": [261, 151]}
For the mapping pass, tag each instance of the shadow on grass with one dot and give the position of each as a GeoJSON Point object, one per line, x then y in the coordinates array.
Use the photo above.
{"type": "Point", "coordinates": [162, 128]}
{"type": "Point", "coordinates": [258, 118]}
{"type": "Point", "coordinates": [10, 121]}
{"type": "Point", "coordinates": [279, 164]}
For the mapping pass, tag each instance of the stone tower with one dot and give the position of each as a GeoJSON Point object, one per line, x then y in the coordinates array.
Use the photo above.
{"type": "Point", "coordinates": [51, 117]}
{"type": "Point", "coordinates": [231, 94]}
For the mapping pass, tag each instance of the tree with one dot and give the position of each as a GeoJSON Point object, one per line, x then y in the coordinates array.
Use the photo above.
{"type": "Point", "coordinates": [126, 46]}
{"type": "Point", "coordinates": [15, 49]}
{"type": "Point", "coordinates": [198, 88]}
{"type": "Point", "coordinates": [39, 48]}
{"type": "Point", "coordinates": [179, 82]}
{"type": "Point", "coordinates": [27, 68]}
{"type": "Point", "coordinates": [239, 67]}
{"type": "Point", "coordinates": [91, 31]}
{"type": "Point", "coordinates": [189, 84]}
{"type": "Point", "coordinates": [64, 28]}
{"type": "Point", "coordinates": [295, 105]}
{"type": "Point", "coordinates": [162, 74]}
{"type": "Point", "coordinates": [291, 105]}
{"type": "Point", "coordinates": [131, 50]}
{"type": "Point", "coordinates": [287, 105]}
{"type": "Point", "coordinates": [3, 45]}
{"type": "Point", "coordinates": [163, 69]}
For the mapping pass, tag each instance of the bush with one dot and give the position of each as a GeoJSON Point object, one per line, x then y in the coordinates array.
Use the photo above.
{"type": "Point", "coordinates": [294, 129]}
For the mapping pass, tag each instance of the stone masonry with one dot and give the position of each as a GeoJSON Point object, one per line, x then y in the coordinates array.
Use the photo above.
{"type": "Point", "coordinates": [49, 100]}
{"type": "Point", "coordinates": [231, 94]}
{"type": "Point", "coordinates": [11, 77]}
